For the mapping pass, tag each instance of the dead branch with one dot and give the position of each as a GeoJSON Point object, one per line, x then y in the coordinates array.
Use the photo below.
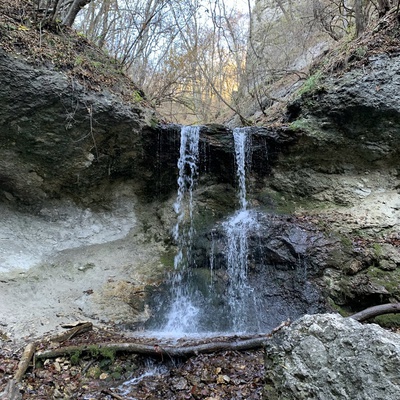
{"type": "Point", "coordinates": [157, 350]}
{"type": "Point", "coordinates": [112, 394]}
{"type": "Point", "coordinates": [24, 362]}
{"type": "Point", "coordinates": [77, 330]}
{"type": "Point", "coordinates": [12, 389]}
{"type": "Point", "coordinates": [375, 311]}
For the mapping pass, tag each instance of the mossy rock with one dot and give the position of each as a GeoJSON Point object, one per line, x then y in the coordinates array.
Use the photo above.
{"type": "Point", "coordinates": [390, 280]}
{"type": "Point", "coordinates": [388, 320]}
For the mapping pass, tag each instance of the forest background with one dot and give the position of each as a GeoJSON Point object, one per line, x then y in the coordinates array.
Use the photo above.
{"type": "Point", "coordinates": [201, 61]}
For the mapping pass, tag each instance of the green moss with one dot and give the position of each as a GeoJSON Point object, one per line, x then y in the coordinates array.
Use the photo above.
{"type": "Point", "coordinates": [154, 122]}
{"type": "Point", "coordinates": [346, 242]}
{"type": "Point", "coordinates": [361, 52]}
{"type": "Point", "coordinates": [377, 250]}
{"type": "Point", "coordinates": [336, 307]}
{"type": "Point", "coordinates": [204, 219]}
{"type": "Point", "coordinates": [115, 375]}
{"type": "Point", "coordinates": [108, 354]}
{"type": "Point", "coordinates": [93, 351]}
{"type": "Point", "coordinates": [75, 357]}
{"type": "Point", "coordinates": [168, 259]}
{"type": "Point", "coordinates": [388, 320]}
{"type": "Point", "coordinates": [311, 84]}
{"type": "Point", "coordinates": [136, 96]}
{"type": "Point", "coordinates": [94, 372]}
{"type": "Point", "coordinates": [273, 200]}
{"type": "Point", "coordinates": [390, 280]}
{"type": "Point", "coordinates": [301, 124]}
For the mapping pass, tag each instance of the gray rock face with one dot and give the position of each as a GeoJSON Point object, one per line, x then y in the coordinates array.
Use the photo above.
{"type": "Point", "coordinates": [56, 136]}
{"type": "Point", "coordinates": [344, 171]}
{"type": "Point", "coordinates": [328, 357]}
{"type": "Point", "coordinates": [350, 149]}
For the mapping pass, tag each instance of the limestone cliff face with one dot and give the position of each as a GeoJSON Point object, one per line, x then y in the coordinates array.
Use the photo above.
{"type": "Point", "coordinates": [58, 137]}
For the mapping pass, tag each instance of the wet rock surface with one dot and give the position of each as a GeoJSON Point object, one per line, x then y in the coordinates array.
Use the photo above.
{"type": "Point", "coordinates": [330, 357]}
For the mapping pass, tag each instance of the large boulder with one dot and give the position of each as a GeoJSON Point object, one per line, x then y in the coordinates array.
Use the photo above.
{"type": "Point", "coordinates": [328, 357]}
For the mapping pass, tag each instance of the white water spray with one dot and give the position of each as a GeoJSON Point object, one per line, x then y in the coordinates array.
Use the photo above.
{"type": "Point", "coordinates": [183, 313]}
{"type": "Point", "coordinates": [240, 137]}
{"type": "Point", "coordinates": [237, 230]}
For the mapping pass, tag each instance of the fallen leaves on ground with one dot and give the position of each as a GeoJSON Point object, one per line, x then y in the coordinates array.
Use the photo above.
{"type": "Point", "coordinates": [224, 375]}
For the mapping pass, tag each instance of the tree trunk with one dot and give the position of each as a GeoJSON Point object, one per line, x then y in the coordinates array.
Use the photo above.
{"type": "Point", "coordinates": [359, 16]}
{"type": "Point", "coordinates": [73, 11]}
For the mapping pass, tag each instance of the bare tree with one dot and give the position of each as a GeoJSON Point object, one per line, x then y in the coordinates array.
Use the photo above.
{"type": "Point", "coordinates": [59, 11]}
{"type": "Point", "coordinates": [188, 55]}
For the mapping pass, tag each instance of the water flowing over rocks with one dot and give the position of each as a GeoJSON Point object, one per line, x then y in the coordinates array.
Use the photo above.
{"type": "Point", "coordinates": [326, 183]}
{"type": "Point", "coordinates": [330, 357]}
{"type": "Point", "coordinates": [87, 181]}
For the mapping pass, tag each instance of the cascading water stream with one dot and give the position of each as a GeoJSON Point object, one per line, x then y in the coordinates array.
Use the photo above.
{"type": "Point", "coordinates": [240, 296]}
{"type": "Point", "coordinates": [183, 313]}
{"type": "Point", "coordinates": [195, 304]}
{"type": "Point", "coordinates": [241, 140]}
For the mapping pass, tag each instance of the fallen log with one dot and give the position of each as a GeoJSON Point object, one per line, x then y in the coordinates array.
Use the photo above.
{"type": "Point", "coordinates": [159, 350]}
{"type": "Point", "coordinates": [375, 311]}
{"type": "Point", "coordinates": [156, 350]}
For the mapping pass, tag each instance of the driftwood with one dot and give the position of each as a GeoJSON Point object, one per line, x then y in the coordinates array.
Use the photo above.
{"type": "Point", "coordinates": [375, 311]}
{"type": "Point", "coordinates": [24, 362]}
{"type": "Point", "coordinates": [81, 327]}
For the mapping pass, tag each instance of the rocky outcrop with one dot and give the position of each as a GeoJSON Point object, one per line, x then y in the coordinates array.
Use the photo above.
{"type": "Point", "coordinates": [57, 137]}
{"type": "Point", "coordinates": [330, 357]}
{"type": "Point", "coordinates": [343, 173]}
{"type": "Point", "coordinates": [350, 147]}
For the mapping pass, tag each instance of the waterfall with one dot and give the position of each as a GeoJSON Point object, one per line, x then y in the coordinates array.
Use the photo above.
{"type": "Point", "coordinates": [227, 279]}
{"type": "Point", "coordinates": [195, 304]}
{"type": "Point", "coordinates": [183, 314]}
{"type": "Point", "coordinates": [240, 137]}
{"type": "Point", "coordinates": [240, 296]}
